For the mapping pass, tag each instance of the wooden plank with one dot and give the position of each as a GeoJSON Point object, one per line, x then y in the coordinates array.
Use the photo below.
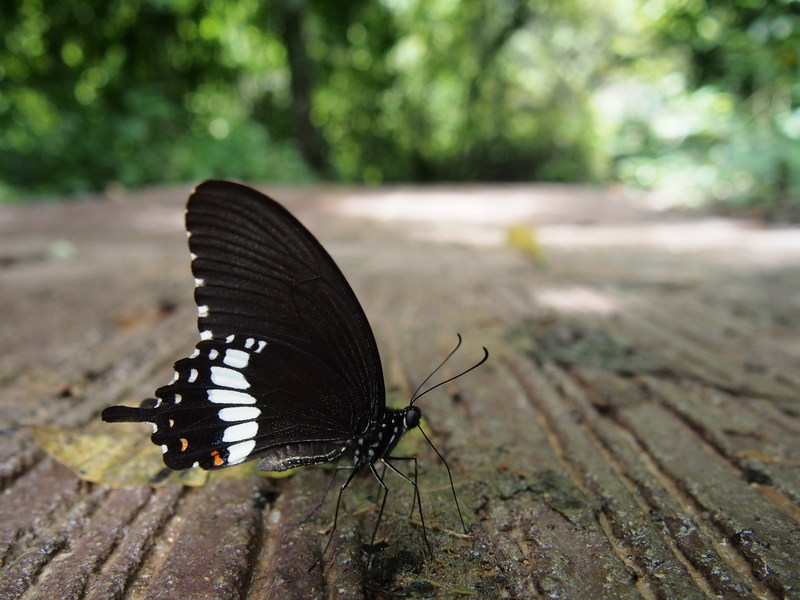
{"type": "Point", "coordinates": [634, 435]}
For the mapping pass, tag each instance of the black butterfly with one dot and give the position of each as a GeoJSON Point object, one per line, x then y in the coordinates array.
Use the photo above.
{"type": "Point", "coordinates": [287, 369]}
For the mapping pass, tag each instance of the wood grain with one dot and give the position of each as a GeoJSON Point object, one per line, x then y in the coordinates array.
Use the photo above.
{"type": "Point", "coordinates": [634, 435]}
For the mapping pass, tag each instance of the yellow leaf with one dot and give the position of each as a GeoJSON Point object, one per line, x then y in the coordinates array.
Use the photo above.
{"type": "Point", "coordinates": [524, 239]}
{"type": "Point", "coordinates": [126, 457]}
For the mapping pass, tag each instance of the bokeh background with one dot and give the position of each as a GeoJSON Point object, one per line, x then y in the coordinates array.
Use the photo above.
{"type": "Point", "coordinates": [699, 100]}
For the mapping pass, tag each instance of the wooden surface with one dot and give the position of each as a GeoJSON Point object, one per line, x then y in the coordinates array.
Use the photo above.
{"type": "Point", "coordinates": [634, 434]}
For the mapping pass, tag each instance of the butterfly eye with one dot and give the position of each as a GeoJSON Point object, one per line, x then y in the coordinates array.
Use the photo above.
{"type": "Point", "coordinates": [413, 416]}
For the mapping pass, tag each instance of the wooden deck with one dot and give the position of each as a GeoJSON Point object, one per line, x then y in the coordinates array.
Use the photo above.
{"type": "Point", "coordinates": [635, 433]}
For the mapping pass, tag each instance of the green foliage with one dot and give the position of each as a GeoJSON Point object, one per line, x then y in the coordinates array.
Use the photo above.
{"type": "Point", "coordinates": [132, 92]}
{"type": "Point", "coordinates": [698, 99]}
{"type": "Point", "coordinates": [722, 122]}
{"type": "Point", "coordinates": [458, 91]}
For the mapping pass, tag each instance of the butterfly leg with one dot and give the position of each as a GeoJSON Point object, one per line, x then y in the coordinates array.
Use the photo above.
{"type": "Point", "coordinates": [335, 517]}
{"type": "Point", "coordinates": [324, 495]}
{"type": "Point", "coordinates": [413, 483]}
{"type": "Point", "coordinates": [383, 473]}
{"type": "Point", "coordinates": [417, 497]}
{"type": "Point", "coordinates": [383, 469]}
{"type": "Point", "coordinates": [383, 502]}
{"type": "Point", "coordinates": [449, 476]}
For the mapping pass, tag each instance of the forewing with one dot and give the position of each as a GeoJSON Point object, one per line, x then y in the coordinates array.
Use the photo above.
{"type": "Point", "coordinates": [259, 271]}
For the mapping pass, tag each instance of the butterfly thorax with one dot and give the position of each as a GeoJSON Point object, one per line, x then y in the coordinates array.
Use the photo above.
{"type": "Point", "coordinates": [380, 440]}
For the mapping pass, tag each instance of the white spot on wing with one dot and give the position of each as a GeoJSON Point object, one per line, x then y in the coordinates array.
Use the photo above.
{"type": "Point", "coordinates": [212, 354]}
{"type": "Point", "coordinates": [242, 431]}
{"type": "Point", "coordinates": [249, 343]}
{"type": "Point", "coordinates": [239, 413]}
{"type": "Point", "coordinates": [199, 282]}
{"type": "Point", "coordinates": [261, 345]}
{"type": "Point", "coordinates": [202, 311]}
{"type": "Point", "coordinates": [192, 376]}
{"type": "Point", "coordinates": [174, 378]}
{"type": "Point", "coordinates": [239, 452]}
{"type": "Point", "coordinates": [230, 338]}
{"type": "Point", "coordinates": [192, 255]}
{"type": "Point", "coordinates": [229, 378]}
{"type": "Point", "coordinates": [164, 448]}
{"type": "Point", "coordinates": [229, 397]}
{"type": "Point", "coordinates": [206, 335]}
{"type": "Point", "coordinates": [195, 353]}
{"type": "Point", "coordinates": [236, 358]}
{"type": "Point", "coordinates": [178, 398]}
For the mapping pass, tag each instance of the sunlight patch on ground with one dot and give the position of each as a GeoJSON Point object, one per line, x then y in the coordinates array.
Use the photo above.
{"type": "Point", "coordinates": [577, 299]}
{"type": "Point", "coordinates": [476, 216]}
{"type": "Point", "coordinates": [483, 216]}
{"type": "Point", "coordinates": [738, 238]}
{"type": "Point", "coordinates": [503, 207]}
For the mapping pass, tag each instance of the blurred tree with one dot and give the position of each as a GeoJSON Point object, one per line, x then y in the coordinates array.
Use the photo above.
{"type": "Point", "coordinates": [288, 19]}
{"type": "Point", "coordinates": [95, 92]}
{"type": "Point", "coordinates": [749, 52]}
{"type": "Point", "coordinates": [432, 90]}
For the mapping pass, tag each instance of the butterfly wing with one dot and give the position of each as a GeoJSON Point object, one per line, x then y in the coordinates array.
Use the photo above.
{"type": "Point", "coordinates": [287, 368]}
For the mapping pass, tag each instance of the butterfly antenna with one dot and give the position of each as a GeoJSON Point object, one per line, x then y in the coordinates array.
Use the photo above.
{"type": "Point", "coordinates": [441, 383]}
{"type": "Point", "coordinates": [427, 379]}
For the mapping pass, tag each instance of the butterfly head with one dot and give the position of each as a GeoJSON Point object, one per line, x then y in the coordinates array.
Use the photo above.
{"type": "Point", "coordinates": [412, 416]}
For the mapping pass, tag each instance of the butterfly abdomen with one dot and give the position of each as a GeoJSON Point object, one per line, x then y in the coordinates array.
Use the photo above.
{"type": "Point", "coordinates": [291, 456]}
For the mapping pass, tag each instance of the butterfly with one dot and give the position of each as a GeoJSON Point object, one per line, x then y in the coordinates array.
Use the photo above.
{"type": "Point", "coordinates": [287, 369]}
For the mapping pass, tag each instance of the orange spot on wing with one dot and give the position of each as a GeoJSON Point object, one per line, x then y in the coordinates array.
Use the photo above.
{"type": "Point", "coordinates": [184, 444]}
{"type": "Point", "coordinates": [217, 458]}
